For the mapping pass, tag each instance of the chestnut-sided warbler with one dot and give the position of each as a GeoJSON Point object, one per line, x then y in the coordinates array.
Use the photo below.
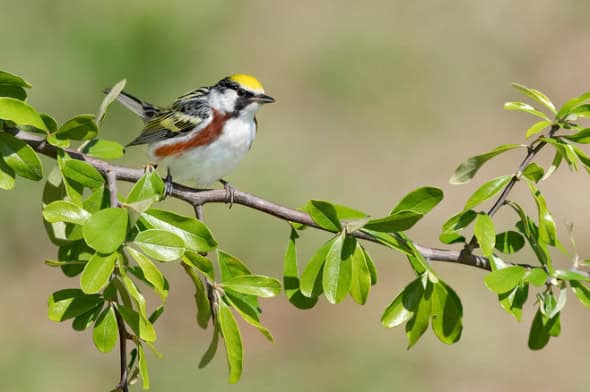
{"type": "Point", "coordinates": [205, 133]}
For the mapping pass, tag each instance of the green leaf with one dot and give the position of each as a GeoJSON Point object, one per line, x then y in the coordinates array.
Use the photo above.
{"type": "Point", "coordinates": [105, 331]}
{"type": "Point", "coordinates": [513, 301]}
{"type": "Point", "coordinates": [557, 159]}
{"type": "Point", "coordinates": [291, 276]}
{"type": "Point", "coordinates": [337, 274]}
{"type": "Point", "coordinates": [582, 137]}
{"type": "Point", "coordinates": [199, 262]}
{"type": "Point", "coordinates": [20, 113]}
{"type": "Point", "coordinates": [233, 342]}
{"type": "Point", "coordinates": [13, 92]}
{"type": "Point", "coordinates": [536, 277]}
{"type": "Point", "coordinates": [399, 221]}
{"type": "Point", "coordinates": [446, 314]}
{"type": "Point", "coordinates": [370, 266]}
{"type": "Point", "coordinates": [509, 242]}
{"type": "Point", "coordinates": [211, 350]}
{"type": "Point", "coordinates": [106, 229]}
{"type": "Point", "coordinates": [547, 229]}
{"type": "Point", "coordinates": [324, 215]}
{"type": "Point", "coordinates": [503, 280]}
{"type": "Point", "coordinates": [85, 320]}
{"type": "Point", "coordinates": [485, 233]}
{"type": "Point", "coordinates": [418, 324]}
{"type": "Point", "coordinates": [202, 302]}
{"type": "Point", "coordinates": [81, 127]}
{"type": "Point", "coordinates": [248, 313]}
{"type": "Point", "coordinates": [151, 273]}
{"type": "Point", "coordinates": [109, 99]}
{"type": "Point", "coordinates": [258, 285]}
{"type": "Point", "coordinates": [526, 108]}
{"type": "Point", "coordinates": [69, 303]}
{"type": "Point", "coordinates": [421, 200]}
{"type": "Point", "coordinates": [533, 172]}
{"type": "Point", "coordinates": [10, 79]}
{"type": "Point", "coordinates": [130, 289]}
{"type": "Point", "coordinates": [582, 292]}
{"type": "Point", "coordinates": [149, 186]}
{"type": "Point", "coordinates": [83, 173]}
{"type": "Point", "coordinates": [6, 176]}
{"type": "Point", "coordinates": [195, 234]}
{"type": "Point", "coordinates": [535, 95]}
{"type": "Point", "coordinates": [567, 108]}
{"type": "Point", "coordinates": [103, 149]}
{"type": "Point", "coordinates": [20, 157]}
{"type": "Point", "coordinates": [466, 170]}
{"type": "Point", "coordinates": [450, 230]}
{"type": "Point", "coordinates": [486, 191]}
{"type": "Point", "coordinates": [143, 369]}
{"type": "Point", "coordinates": [162, 245]}
{"type": "Point", "coordinates": [403, 306]}
{"type": "Point", "coordinates": [65, 211]}
{"type": "Point", "coordinates": [537, 128]}
{"type": "Point", "coordinates": [361, 276]}
{"type": "Point", "coordinates": [138, 324]}
{"type": "Point", "coordinates": [538, 336]}
{"type": "Point", "coordinates": [572, 275]}
{"type": "Point", "coordinates": [97, 272]}
{"type": "Point", "coordinates": [230, 266]}
{"type": "Point", "coordinates": [311, 278]}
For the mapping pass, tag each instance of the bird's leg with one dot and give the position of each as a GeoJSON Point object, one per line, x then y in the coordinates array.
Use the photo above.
{"type": "Point", "coordinates": [169, 184]}
{"type": "Point", "coordinates": [229, 192]}
{"type": "Point", "coordinates": [149, 167]}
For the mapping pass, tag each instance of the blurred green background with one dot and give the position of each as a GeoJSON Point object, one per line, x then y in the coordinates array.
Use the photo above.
{"type": "Point", "coordinates": [373, 100]}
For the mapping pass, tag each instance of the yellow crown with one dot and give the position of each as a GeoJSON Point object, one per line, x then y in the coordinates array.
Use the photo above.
{"type": "Point", "coordinates": [248, 81]}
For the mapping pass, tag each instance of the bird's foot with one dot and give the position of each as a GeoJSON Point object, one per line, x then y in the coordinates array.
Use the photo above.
{"type": "Point", "coordinates": [150, 167]}
{"type": "Point", "coordinates": [229, 192]}
{"type": "Point", "coordinates": [169, 184]}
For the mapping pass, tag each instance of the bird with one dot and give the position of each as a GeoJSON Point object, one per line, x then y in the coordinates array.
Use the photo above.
{"type": "Point", "coordinates": [205, 133]}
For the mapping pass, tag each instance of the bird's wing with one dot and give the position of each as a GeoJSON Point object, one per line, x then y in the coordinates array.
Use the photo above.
{"type": "Point", "coordinates": [143, 109]}
{"type": "Point", "coordinates": [188, 113]}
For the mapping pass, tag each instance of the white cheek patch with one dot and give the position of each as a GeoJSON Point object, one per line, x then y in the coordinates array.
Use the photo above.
{"type": "Point", "coordinates": [223, 102]}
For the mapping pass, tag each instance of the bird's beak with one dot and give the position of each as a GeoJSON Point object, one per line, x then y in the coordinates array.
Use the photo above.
{"type": "Point", "coordinates": [262, 98]}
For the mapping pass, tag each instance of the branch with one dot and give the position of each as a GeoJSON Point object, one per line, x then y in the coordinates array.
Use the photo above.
{"type": "Point", "coordinates": [199, 197]}
{"type": "Point", "coordinates": [123, 382]}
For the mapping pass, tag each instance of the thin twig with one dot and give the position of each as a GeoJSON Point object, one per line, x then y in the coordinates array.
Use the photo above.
{"type": "Point", "coordinates": [123, 382]}
{"type": "Point", "coordinates": [200, 197]}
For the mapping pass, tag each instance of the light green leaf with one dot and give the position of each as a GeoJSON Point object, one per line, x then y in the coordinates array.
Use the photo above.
{"type": "Point", "coordinates": [547, 229]}
{"type": "Point", "coordinates": [138, 324]}
{"type": "Point", "coordinates": [20, 113]}
{"type": "Point", "coordinates": [557, 158]}
{"type": "Point", "coordinates": [162, 245]}
{"type": "Point", "coordinates": [503, 280]}
{"type": "Point", "coordinates": [537, 128]}
{"type": "Point", "coordinates": [195, 234]}
{"type": "Point", "coordinates": [149, 186]}
{"type": "Point", "coordinates": [105, 331]}
{"type": "Point", "coordinates": [324, 215]}
{"type": "Point", "coordinates": [450, 230]}
{"type": "Point", "coordinates": [106, 230]}
{"type": "Point", "coordinates": [311, 278]}
{"type": "Point", "coordinates": [570, 105]}
{"type": "Point", "coordinates": [582, 137]}
{"type": "Point", "coordinates": [291, 276]}
{"type": "Point", "coordinates": [370, 266]}
{"type": "Point", "coordinates": [10, 79]}
{"type": "Point", "coordinates": [486, 191]}
{"type": "Point", "coordinates": [103, 149]}
{"type": "Point", "coordinates": [143, 369]}
{"type": "Point", "coordinates": [535, 95]}
{"type": "Point", "coordinates": [361, 276]}
{"type": "Point", "coordinates": [202, 263]}
{"type": "Point", "coordinates": [69, 303]}
{"type": "Point", "coordinates": [446, 314]}
{"type": "Point", "coordinates": [509, 242]}
{"type": "Point", "coordinates": [526, 108]}
{"type": "Point", "coordinates": [513, 301]}
{"type": "Point", "coordinates": [97, 272]}
{"type": "Point", "coordinates": [83, 173]}
{"type": "Point", "coordinates": [466, 170]}
{"type": "Point", "coordinates": [6, 176]}
{"type": "Point", "coordinates": [536, 277]}
{"type": "Point", "coordinates": [582, 292]}
{"type": "Point", "coordinates": [337, 272]}
{"type": "Point", "coordinates": [111, 96]}
{"type": "Point", "coordinates": [418, 324]}
{"type": "Point", "coordinates": [230, 266]}
{"type": "Point", "coordinates": [572, 275]}
{"type": "Point", "coordinates": [233, 342]}
{"type": "Point", "coordinates": [398, 221]}
{"type": "Point", "coordinates": [258, 285]}
{"type": "Point", "coordinates": [20, 157]}
{"type": "Point", "coordinates": [151, 273]}
{"type": "Point", "coordinates": [403, 306]}
{"type": "Point", "coordinates": [533, 172]}
{"type": "Point", "coordinates": [421, 200]}
{"type": "Point", "coordinates": [65, 211]}
{"type": "Point", "coordinates": [485, 233]}
{"type": "Point", "coordinates": [81, 127]}
{"type": "Point", "coordinates": [248, 314]}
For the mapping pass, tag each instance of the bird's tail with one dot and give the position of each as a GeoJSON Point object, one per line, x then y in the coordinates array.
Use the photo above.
{"type": "Point", "coordinates": [143, 109]}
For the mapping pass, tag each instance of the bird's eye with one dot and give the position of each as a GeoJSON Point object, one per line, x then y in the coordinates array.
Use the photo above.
{"type": "Point", "coordinates": [241, 92]}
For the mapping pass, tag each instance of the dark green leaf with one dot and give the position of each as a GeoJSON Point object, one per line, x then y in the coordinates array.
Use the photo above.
{"type": "Point", "coordinates": [200, 262]}
{"type": "Point", "coordinates": [504, 280]}
{"type": "Point", "coordinates": [69, 303]}
{"type": "Point", "coordinates": [233, 342]}
{"type": "Point", "coordinates": [105, 231]}
{"type": "Point", "coordinates": [533, 172]}
{"type": "Point", "coordinates": [211, 350]}
{"type": "Point", "coordinates": [85, 320]}
{"type": "Point", "coordinates": [337, 274]}
{"type": "Point", "coordinates": [535, 95]}
{"type": "Point", "coordinates": [6, 176]}
{"type": "Point", "coordinates": [450, 230]}
{"type": "Point", "coordinates": [485, 233]}
{"type": "Point", "coordinates": [258, 285]}
{"type": "Point", "coordinates": [20, 157]}
{"type": "Point", "coordinates": [105, 331]}
{"type": "Point", "coordinates": [311, 278]}
{"type": "Point", "coordinates": [83, 173]}
{"type": "Point", "coordinates": [138, 324]}
{"type": "Point", "coordinates": [324, 215]}
{"type": "Point", "coordinates": [418, 324]}
{"type": "Point", "coordinates": [370, 266]}
{"type": "Point", "coordinates": [403, 307]}
{"type": "Point", "coordinates": [109, 99]}
{"type": "Point", "coordinates": [81, 127]}
{"type": "Point", "coordinates": [526, 108]}
{"type": "Point", "coordinates": [538, 336]}
{"type": "Point", "coordinates": [513, 301]}
{"type": "Point", "coordinates": [97, 272]}
{"type": "Point", "coordinates": [446, 314]}
{"type": "Point", "coordinates": [486, 191]}
{"type": "Point", "coordinates": [10, 79]}
{"type": "Point", "coordinates": [465, 172]}
{"type": "Point", "coordinates": [421, 200]}
{"type": "Point", "coordinates": [13, 92]}
{"type": "Point", "coordinates": [291, 277]}
{"type": "Point", "coordinates": [143, 369]}
{"type": "Point", "coordinates": [151, 273]}
{"type": "Point", "coordinates": [582, 137]}
{"type": "Point", "coordinates": [65, 211]}
{"type": "Point", "coordinates": [20, 113]}
{"type": "Point", "coordinates": [162, 245]}
{"type": "Point", "coordinates": [509, 242]}
{"type": "Point", "coordinates": [103, 149]}
{"type": "Point", "coordinates": [399, 221]}
{"type": "Point", "coordinates": [249, 314]}
{"type": "Point", "coordinates": [195, 234]}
